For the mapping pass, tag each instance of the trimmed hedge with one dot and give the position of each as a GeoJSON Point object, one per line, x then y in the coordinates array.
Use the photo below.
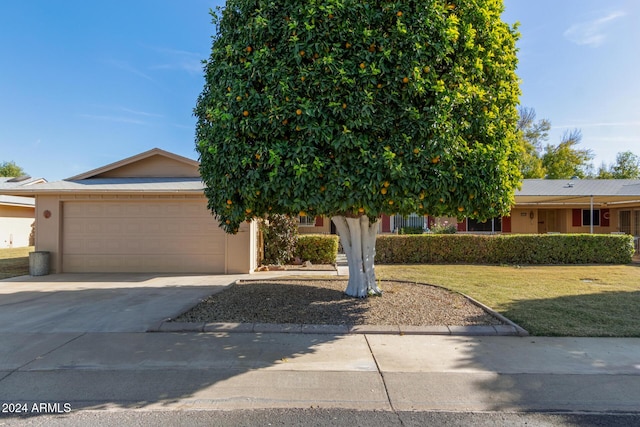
{"type": "Point", "coordinates": [504, 249]}
{"type": "Point", "coordinates": [317, 248]}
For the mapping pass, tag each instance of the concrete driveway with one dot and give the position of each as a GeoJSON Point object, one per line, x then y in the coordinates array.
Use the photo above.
{"type": "Point", "coordinates": [100, 302]}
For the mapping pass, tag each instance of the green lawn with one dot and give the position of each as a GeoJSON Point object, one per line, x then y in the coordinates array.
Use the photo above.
{"type": "Point", "coordinates": [598, 300]}
{"type": "Point", "coordinates": [14, 262]}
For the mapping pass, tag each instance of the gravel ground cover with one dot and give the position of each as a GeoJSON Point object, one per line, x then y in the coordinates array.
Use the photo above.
{"type": "Point", "coordinates": [323, 302]}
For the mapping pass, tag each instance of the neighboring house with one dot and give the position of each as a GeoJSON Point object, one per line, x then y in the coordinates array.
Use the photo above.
{"type": "Point", "coordinates": [16, 213]}
{"type": "Point", "coordinates": [146, 213]}
{"type": "Point", "coordinates": [542, 206]}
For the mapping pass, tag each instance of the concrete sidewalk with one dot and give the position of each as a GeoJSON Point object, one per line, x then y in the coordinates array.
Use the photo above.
{"type": "Point", "coordinates": [262, 370]}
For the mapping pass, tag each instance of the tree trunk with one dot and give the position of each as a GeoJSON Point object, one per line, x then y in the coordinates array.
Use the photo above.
{"type": "Point", "coordinates": [358, 238]}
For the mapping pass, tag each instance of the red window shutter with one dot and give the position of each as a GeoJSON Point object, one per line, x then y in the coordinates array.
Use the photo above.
{"type": "Point", "coordinates": [386, 223]}
{"type": "Point", "coordinates": [506, 224]}
{"type": "Point", "coordinates": [604, 217]}
{"type": "Point", "coordinates": [577, 217]}
{"type": "Point", "coordinates": [319, 221]}
{"type": "Point", "coordinates": [462, 226]}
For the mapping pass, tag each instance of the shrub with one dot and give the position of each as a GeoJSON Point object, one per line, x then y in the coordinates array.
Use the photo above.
{"type": "Point", "coordinates": [317, 248]}
{"type": "Point", "coordinates": [410, 230]}
{"type": "Point", "coordinates": [443, 229]}
{"type": "Point", "coordinates": [505, 249]}
{"type": "Point", "coordinates": [280, 234]}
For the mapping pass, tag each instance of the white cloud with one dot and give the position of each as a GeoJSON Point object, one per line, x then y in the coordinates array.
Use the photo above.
{"type": "Point", "coordinates": [125, 66]}
{"type": "Point", "coordinates": [118, 119]}
{"type": "Point", "coordinates": [592, 33]}
{"type": "Point", "coordinates": [598, 124]}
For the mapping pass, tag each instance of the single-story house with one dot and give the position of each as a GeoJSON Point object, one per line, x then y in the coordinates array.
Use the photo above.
{"type": "Point", "coordinates": [146, 213]}
{"type": "Point", "coordinates": [600, 206]}
{"type": "Point", "coordinates": [17, 213]}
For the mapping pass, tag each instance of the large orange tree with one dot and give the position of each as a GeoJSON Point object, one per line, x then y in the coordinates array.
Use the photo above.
{"type": "Point", "coordinates": [358, 108]}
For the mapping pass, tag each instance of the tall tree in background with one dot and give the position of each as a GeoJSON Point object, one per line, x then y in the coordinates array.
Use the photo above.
{"type": "Point", "coordinates": [10, 169]}
{"type": "Point", "coordinates": [627, 166]}
{"type": "Point", "coordinates": [532, 134]}
{"type": "Point", "coordinates": [358, 108]}
{"type": "Point", "coordinates": [565, 160]}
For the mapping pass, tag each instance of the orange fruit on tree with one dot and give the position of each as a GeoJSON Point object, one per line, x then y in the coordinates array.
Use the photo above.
{"type": "Point", "coordinates": [383, 191]}
{"type": "Point", "coordinates": [386, 184]}
{"type": "Point", "coordinates": [416, 150]}
{"type": "Point", "coordinates": [347, 45]}
{"type": "Point", "coordinates": [362, 65]}
{"type": "Point", "coordinates": [229, 202]}
{"type": "Point", "coordinates": [344, 105]}
{"type": "Point", "coordinates": [460, 208]}
{"type": "Point", "coordinates": [249, 49]}
{"type": "Point", "coordinates": [405, 80]}
{"type": "Point", "coordinates": [245, 113]}
{"type": "Point", "coordinates": [238, 98]}
{"type": "Point", "coordinates": [399, 13]}
{"type": "Point", "coordinates": [303, 78]}
{"type": "Point", "coordinates": [390, 202]}
{"type": "Point", "coordinates": [298, 112]}
{"type": "Point", "coordinates": [360, 210]}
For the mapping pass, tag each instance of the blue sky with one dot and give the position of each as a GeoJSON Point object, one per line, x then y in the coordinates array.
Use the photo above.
{"type": "Point", "coordinates": [84, 83]}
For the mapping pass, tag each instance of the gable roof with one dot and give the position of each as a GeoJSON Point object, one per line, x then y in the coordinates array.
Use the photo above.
{"type": "Point", "coordinates": [145, 165]}
{"type": "Point", "coordinates": [579, 191]}
{"type": "Point", "coordinates": [153, 172]}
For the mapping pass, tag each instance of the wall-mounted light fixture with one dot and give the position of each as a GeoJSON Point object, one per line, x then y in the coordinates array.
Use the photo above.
{"type": "Point", "coordinates": [46, 214]}
{"type": "Point", "coordinates": [532, 215]}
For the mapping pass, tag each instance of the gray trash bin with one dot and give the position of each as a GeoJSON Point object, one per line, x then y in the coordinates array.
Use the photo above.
{"type": "Point", "coordinates": [39, 263]}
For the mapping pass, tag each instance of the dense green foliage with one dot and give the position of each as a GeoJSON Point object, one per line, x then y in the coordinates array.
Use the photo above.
{"type": "Point", "coordinates": [505, 249]}
{"type": "Point", "coordinates": [280, 234]}
{"type": "Point", "coordinates": [411, 230]}
{"type": "Point", "coordinates": [10, 169]}
{"type": "Point", "coordinates": [627, 166]}
{"type": "Point", "coordinates": [359, 107]}
{"type": "Point", "coordinates": [317, 248]}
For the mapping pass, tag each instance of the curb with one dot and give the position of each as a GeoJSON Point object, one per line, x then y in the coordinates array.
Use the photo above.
{"type": "Point", "coordinates": [477, 330]}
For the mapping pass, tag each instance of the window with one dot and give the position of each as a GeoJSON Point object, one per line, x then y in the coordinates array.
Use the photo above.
{"type": "Point", "coordinates": [307, 221]}
{"type": "Point", "coordinates": [586, 217]}
{"type": "Point", "coordinates": [491, 225]}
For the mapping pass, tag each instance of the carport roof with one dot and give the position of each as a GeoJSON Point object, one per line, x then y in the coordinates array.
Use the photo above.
{"type": "Point", "coordinates": [578, 191]}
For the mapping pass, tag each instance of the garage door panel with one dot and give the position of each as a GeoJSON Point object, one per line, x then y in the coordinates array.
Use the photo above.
{"type": "Point", "coordinates": [141, 236]}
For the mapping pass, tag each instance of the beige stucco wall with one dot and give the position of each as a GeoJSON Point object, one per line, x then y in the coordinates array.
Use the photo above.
{"type": "Point", "coordinates": [522, 223]}
{"type": "Point", "coordinates": [15, 226]}
{"type": "Point", "coordinates": [240, 249]}
{"type": "Point", "coordinates": [154, 166]}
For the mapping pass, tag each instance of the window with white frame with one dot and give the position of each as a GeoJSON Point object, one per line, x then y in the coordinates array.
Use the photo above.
{"type": "Point", "coordinates": [586, 217]}
{"type": "Point", "coordinates": [307, 221]}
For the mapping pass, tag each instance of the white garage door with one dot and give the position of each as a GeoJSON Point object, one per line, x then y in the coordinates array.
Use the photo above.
{"type": "Point", "coordinates": [168, 236]}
